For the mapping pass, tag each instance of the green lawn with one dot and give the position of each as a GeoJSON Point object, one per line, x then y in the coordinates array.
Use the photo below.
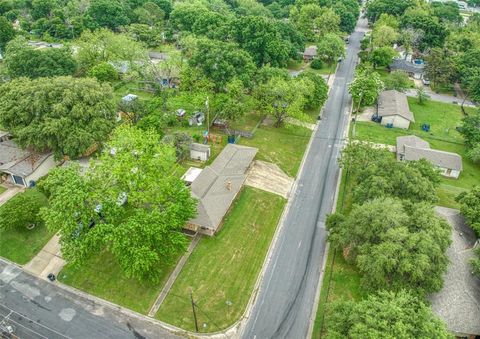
{"type": "Point", "coordinates": [283, 146]}
{"type": "Point", "coordinates": [223, 269]}
{"type": "Point", "coordinates": [121, 89]}
{"type": "Point", "coordinates": [326, 69]}
{"type": "Point", "coordinates": [103, 277]}
{"type": "Point", "coordinates": [21, 245]}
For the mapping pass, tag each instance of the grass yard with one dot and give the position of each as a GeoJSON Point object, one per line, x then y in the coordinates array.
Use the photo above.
{"type": "Point", "coordinates": [223, 269]}
{"type": "Point", "coordinates": [283, 146]}
{"type": "Point", "coordinates": [121, 89]}
{"type": "Point", "coordinates": [103, 277]}
{"type": "Point", "coordinates": [21, 245]}
{"type": "Point", "coordinates": [325, 70]}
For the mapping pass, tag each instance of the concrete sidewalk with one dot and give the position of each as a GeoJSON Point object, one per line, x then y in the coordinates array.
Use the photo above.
{"type": "Point", "coordinates": [171, 279]}
{"type": "Point", "coordinates": [10, 193]}
{"type": "Point", "coordinates": [48, 260]}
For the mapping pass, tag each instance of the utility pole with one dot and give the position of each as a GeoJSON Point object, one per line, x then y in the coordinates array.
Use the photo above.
{"type": "Point", "coordinates": [193, 310]}
{"type": "Point", "coordinates": [208, 115]}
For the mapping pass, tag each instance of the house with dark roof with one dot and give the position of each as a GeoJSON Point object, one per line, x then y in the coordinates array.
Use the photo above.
{"type": "Point", "coordinates": [22, 167]}
{"type": "Point", "coordinates": [217, 185]}
{"type": "Point", "coordinates": [393, 110]}
{"type": "Point", "coordinates": [410, 148]}
{"type": "Point", "coordinates": [458, 302]}
{"type": "Point", "coordinates": [414, 70]}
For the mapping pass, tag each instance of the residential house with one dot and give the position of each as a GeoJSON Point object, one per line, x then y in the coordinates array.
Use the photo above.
{"type": "Point", "coordinates": [458, 302]}
{"type": "Point", "coordinates": [310, 53]}
{"type": "Point", "coordinates": [199, 152]}
{"type": "Point", "coordinates": [411, 68]}
{"type": "Point", "coordinates": [22, 167]}
{"type": "Point", "coordinates": [393, 110]}
{"type": "Point", "coordinates": [411, 148]}
{"type": "Point", "coordinates": [217, 186]}
{"type": "Point", "coordinates": [403, 54]}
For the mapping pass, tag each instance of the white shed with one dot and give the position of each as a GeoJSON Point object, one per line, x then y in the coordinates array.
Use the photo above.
{"type": "Point", "coordinates": [199, 152]}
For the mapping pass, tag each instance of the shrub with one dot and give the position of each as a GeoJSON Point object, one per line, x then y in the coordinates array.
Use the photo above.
{"type": "Point", "coordinates": [316, 64]}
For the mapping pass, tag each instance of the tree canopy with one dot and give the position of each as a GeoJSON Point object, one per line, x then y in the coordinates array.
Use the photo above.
{"type": "Point", "coordinates": [130, 202]}
{"type": "Point", "coordinates": [62, 114]}
{"type": "Point", "coordinates": [395, 245]}
{"type": "Point", "coordinates": [385, 315]}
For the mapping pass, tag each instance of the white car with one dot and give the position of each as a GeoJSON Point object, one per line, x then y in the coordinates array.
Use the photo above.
{"type": "Point", "coordinates": [426, 81]}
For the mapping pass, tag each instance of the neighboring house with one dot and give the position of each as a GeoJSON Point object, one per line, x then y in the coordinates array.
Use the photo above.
{"type": "Point", "coordinates": [310, 53]}
{"type": "Point", "coordinates": [402, 53]}
{"type": "Point", "coordinates": [414, 70]}
{"type": "Point", "coordinates": [43, 44]}
{"type": "Point", "coordinates": [217, 186]}
{"type": "Point", "coordinates": [157, 57]}
{"type": "Point", "coordinates": [458, 302]}
{"type": "Point", "coordinates": [411, 148]}
{"type": "Point", "coordinates": [199, 151]}
{"type": "Point", "coordinates": [22, 167]}
{"type": "Point", "coordinates": [393, 110]}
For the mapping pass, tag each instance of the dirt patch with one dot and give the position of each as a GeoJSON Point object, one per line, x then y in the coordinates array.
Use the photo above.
{"type": "Point", "coordinates": [269, 177]}
{"type": "Point", "coordinates": [366, 115]}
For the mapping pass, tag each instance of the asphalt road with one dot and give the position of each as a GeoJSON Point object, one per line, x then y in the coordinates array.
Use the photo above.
{"type": "Point", "coordinates": [35, 308]}
{"type": "Point", "coordinates": [285, 301]}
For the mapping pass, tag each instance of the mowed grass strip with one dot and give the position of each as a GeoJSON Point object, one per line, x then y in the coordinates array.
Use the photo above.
{"type": "Point", "coordinates": [103, 277]}
{"type": "Point", "coordinates": [20, 244]}
{"type": "Point", "coordinates": [283, 146]}
{"type": "Point", "coordinates": [222, 270]}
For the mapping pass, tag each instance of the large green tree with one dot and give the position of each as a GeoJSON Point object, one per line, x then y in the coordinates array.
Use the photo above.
{"type": "Point", "coordinates": [440, 67]}
{"type": "Point", "coordinates": [316, 97]}
{"type": "Point", "coordinates": [22, 60]}
{"type": "Point", "coordinates": [7, 32]}
{"type": "Point", "coordinates": [398, 315]}
{"type": "Point", "coordinates": [130, 203]}
{"type": "Point", "coordinates": [108, 13]}
{"type": "Point", "coordinates": [395, 245]}
{"type": "Point", "coordinates": [365, 88]}
{"type": "Point", "coordinates": [62, 114]}
{"type": "Point", "coordinates": [262, 38]}
{"type": "Point", "coordinates": [22, 211]}
{"type": "Point", "coordinates": [470, 207]}
{"type": "Point", "coordinates": [380, 175]}
{"type": "Point", "coordinates": [330, 48]}
{"type": "Point", "coordinates": [222, 61]}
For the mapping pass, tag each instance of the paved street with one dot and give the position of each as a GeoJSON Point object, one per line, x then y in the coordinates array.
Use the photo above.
{"type": "Point", "coordinates": [38, 309]}
{"type": "Point", "coordinates": [284, 304]}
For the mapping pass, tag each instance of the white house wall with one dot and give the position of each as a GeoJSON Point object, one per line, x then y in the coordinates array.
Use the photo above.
{"type": "Point", "coordinates": [396, 120]}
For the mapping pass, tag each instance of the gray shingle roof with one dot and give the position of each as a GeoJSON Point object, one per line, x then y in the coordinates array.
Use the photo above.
{"type": "Point", "coordinates": [415, 148]}
{"type": "Point", "coordinates": [458, 303]}
{"type": "Point", "coordinates": [17, 161]}
{"type": "Point", "coordinates": [394, 103]}
{"type": "Point", "coordinates": [199, 147]}
{"type": "Point", "coordinates": [218, 184]}
{"type": "Point", "coordinates": [404, 65]}
{"type": "Point", "coordinates": [310, 51]}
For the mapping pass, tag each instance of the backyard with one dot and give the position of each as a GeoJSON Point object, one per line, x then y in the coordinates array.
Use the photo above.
{"type": "Point", "coordinates": [20, 244]}
{"type": "Point", "coordinates": [222, 270]}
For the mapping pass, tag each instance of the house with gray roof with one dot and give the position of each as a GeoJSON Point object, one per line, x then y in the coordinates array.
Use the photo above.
{"type": "Point", "coordinates": [22, 167]}
{"type": "Point", "coordinates": [414, 70]}
{"type": "Point", "coordinates": [411, 148]}
{"type": "Point", "coordinates": [393, 110]}
{"type": "Point", "coordinates": [310, 53]}
{"type": "Point", "coordinates": [217, 185]}
{"type": "Point", "coordinates": [458, 302]}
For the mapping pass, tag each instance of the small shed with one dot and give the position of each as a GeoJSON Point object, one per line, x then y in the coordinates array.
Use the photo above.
{"type": "Point", "coordinates": [197, 119]}
{"type": "Point", "coordinates": [180, 113]}
{"type": "Point", "coordinates": [199, 152]}
{"type": "Point", "coordinates": [310, 53]}
{"type": "Point", "coordinates": [129, 98]}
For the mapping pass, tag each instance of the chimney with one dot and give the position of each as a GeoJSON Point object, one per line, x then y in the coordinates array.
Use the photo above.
{"type": "Point", "coordinates": [229, 185]}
